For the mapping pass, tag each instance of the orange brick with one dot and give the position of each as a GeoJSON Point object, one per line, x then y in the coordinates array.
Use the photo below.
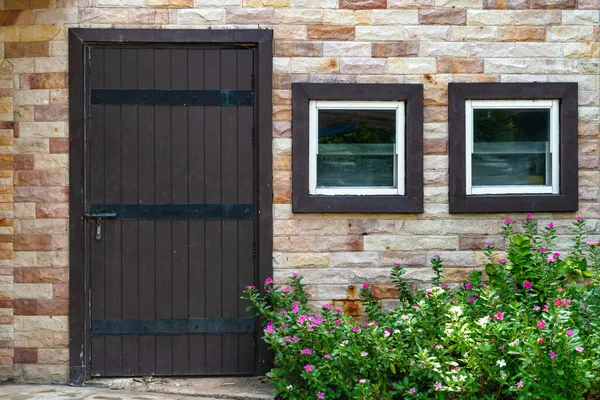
{"type": "Point", "coordinates": [50, 80]}
{"type": "Point", "coordinates": [26, 49]}
{"type": "Point", "coordinates": [448, 65]}
{"type": "Point", "coordinates": [26, 4]}
{"type": "Point", "coordinates": [443, 17]}
{"type": "Point", "coordinates": [363, 4]}
{"type": "Point", "coordinates": [16, 17]}
{"type": "Point", "coordinates": [26, 356]}
{"type": "Point", "coordinates": [43, 275]}
{"type": "Point", "coordinates": [23, 162]}
{"type": "Point", "coordinates": [32, 242]}
{"type": "Point", "coordinates": [59, 146]}
{"type": "Point", "coordinates": [52, 210]}
{"type": "Point", "coordinates": [522, 34]}
{"type": "Point", "coordinates": [331, 32]}
{"type": "Point", "coordinates": [40, 178]}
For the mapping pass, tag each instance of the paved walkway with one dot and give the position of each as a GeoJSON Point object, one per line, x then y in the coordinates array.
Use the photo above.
{"type": "Point", "coordinates": [51, 392]}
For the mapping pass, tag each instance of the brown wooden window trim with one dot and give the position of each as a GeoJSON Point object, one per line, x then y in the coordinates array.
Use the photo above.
{"type": "Point", "coordinates": [567, 200]}
{"type": "Point", "coordinates": [411, 201]}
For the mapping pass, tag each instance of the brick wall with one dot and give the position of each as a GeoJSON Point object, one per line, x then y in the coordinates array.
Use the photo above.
{"type": "Point", "coordinates": [432, 42]}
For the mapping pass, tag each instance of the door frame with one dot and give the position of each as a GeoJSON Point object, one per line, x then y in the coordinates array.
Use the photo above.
{"type": "Point", "coordinates": [80, 42]}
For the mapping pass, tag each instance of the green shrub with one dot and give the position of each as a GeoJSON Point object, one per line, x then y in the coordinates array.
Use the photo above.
{"type": "Point", "coordinates": [531, 332]}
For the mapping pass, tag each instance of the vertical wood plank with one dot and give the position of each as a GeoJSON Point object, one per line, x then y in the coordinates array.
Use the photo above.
{"type": "Point", "coordinates": [146, 250]}
{"type": "Point", "coordinates": [129, 229]}
{"type": "Point", "coordinates": [229, 195]}
{"type": "Point", "coordinates": [197, 260]}
{"type": "Point", "coordinates": [111, 228]}
{"type": "Point", "coordinates": [212, 155]}
{"type": "Point", "coordinates": [163, 195]}
{"type": "Point", "coordinates": [246, 265]}
{"type": "Point", "coordinates": [179, 157]}
{"type": "Point", "coordinates": [96, 179]}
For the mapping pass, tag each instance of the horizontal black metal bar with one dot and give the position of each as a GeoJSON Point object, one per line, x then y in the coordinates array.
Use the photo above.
{"type": "Point", "coordinates": [168, 97]}
{"type": "Point", "coordinates": [171, 326]}
{"type": "Point", "coordinates": [172, 211]}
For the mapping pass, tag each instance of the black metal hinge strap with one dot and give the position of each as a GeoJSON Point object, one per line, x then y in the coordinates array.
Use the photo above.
{"type": "Point", "coordinates": [174, 211]}
{"type": "Point", "coordinates": [168, 97]}
{"type": "Point", "coordinates": [171, 326]}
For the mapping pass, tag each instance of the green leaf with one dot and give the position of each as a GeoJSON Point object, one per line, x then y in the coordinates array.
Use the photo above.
{"type": "Point", "coordinates": [393, 368]}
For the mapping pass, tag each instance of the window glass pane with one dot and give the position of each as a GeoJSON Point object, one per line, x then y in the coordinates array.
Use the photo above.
{"type": "Point", "coordinates": [511, 147]}
{"type": "Point", "coordinates": [356, 148]}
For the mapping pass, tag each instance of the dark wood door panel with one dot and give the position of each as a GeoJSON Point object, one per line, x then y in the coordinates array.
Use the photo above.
{"type": "Point", "coordinates": [165, 271]}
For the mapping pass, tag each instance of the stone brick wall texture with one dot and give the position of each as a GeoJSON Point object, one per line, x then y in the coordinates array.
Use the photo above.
{"type": "Point", "coordinates": [432, 42]}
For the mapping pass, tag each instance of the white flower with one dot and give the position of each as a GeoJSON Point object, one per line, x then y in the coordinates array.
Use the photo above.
{"type": "Point", "coordinates": [456, 310]}
{"type": "Point", "coordinates": [404, 317]}
{"type": "Point", "coordinates": [386, 333]}
{"type": "Point", "coordinates": [501, 363]}
{"type": "Point", "coordinates": [483, 321]}
{"type": "Point", "coordinates": [462, 378]}
{"type": "Point", "coordinates": [289, 387]}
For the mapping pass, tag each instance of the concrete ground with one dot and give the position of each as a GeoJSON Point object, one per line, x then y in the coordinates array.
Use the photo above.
{"type": "Point", "coordinates": [253, 388]}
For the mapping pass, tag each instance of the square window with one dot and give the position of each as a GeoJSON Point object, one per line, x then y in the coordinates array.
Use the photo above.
{"type": "Point", "coordinates": [513, 147]}
{"type": "Point", "coordinates": [352, 144]}
{"type": "Point", "coordinates": [356, 148]}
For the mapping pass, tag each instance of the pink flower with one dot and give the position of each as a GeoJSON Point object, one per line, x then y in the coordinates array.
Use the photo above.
{"type": "Point", "coordinates": [536, 308]}
{"type": "Point", "coordinates": [308, 368]}
{"type": "Point", "coordinates": [545, 307]}
{"type": "Point", "coordinates": [428, 294]}
{"type": "Point", "coordinates": [550, 225]}
{"type": "Point", "coordinates": [295, 307]}
{"type": "Point", "coordinates": [500, 347]}
{"type": "Point", "coordinates": [453, 299]}
{"type": "Point", "coordinates": [337, 311]}
{"type": "Point", "coordinates": [327, 356]}
{"type": "Point", "coordinates": [436, 256]}
{"type": "Point", "coordinates": [592, 242]}
{"type": "Point", "coordinates": [527, 285]}
{"type": "Point", "coordinates": [552, 354]}
{"type": "Point", "coordinates": [445, 286]}
{"type": "Point", "coordinates": [529, 216]}
{"type": "Point", "coordinates": [412, 390]}
{"type": "Point", "coordinates": [541, 324]}
{"type": "Point", "coordinates": [268, 281]}
{"type": "Point", "coordinates": [286, 289]}
{"type": "Point", "coordinates": [320, 395]}
{"type": "Point", "coordinates": [556, 255]}
{"type": "Point", "coordinates": [489, 244]}
{"type": "Point", "coordinates": [327, 306]}
{"type": "Point", "coordinates": [249, 287]}
{"type": "Point", "coordinates": [502, 261]}
{"type": "Point", "coordinates": [471, 300]}
{"type": "Point", "coordinates": [499, 315]}
{"type": "Point", "coordinates": [468, 286]}
{"type": "Point", "coordinates": [355, 329]}
{"type": "Point", "coordinates": [437, 385]}
{"type": "Point", "coordinates": [542, 340]}
{"type": "Point", "coordinates": [520, 384]}
{"type": "Point", "coordinates": [269, 327]}
{"type": "Point", "coordinates": [507, 222]}
{"type": "Point", "coordinates": [569, 332]}
{"type": "Point", "coordinates": [282, 312]}
{"type": "Point", "coordinates": [338, 322]}
{"type": "Point", "coordinates": [306, 351]}
{"type": "Point", "coordinates": [374, 293]}
{"type": "Point", "coordinates": [397, 264]}
{"type": "Point", "coordinates": [415, 305]}
{"type": "Point", "coordinates": [551, 259]}
{"type": "Point", "coordinates": [296, 339]}
{"type": "Point", "coordinates": [365, 285]}
{"type": "Point", "coordinates": [579, 349]}
{"type": "Point", "coordinates": [578, 218]}
{"type": "Point", "coordinates": [542, 250]}
{"type": "Point", "coordinates": [364, 354]}
{"type": "Point", "coordinates": [363, 380]}
{"type": "Point", "coordinates": [295, 275]}
{"type": "Point", "coordinates": [302, 319]}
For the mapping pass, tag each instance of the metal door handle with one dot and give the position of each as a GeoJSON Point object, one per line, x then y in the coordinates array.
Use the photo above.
{"type": "Point", "coordinates": [98, 217]}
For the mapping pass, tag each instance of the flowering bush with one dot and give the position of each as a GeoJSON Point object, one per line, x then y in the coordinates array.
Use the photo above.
{"type": "Point", "coordinates": [532, 331]}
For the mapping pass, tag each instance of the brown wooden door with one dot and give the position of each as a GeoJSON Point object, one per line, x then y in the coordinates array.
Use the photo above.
{"type": "Point", "coordinates": [170, 209]}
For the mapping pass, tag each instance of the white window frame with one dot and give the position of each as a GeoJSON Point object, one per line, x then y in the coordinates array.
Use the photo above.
{"type": "Point", "coordinates": [399, 171]}
{"type": "Point", "coordinates": [554, 146]}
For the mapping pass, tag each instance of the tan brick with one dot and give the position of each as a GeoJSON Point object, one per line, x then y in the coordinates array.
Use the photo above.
{"type": "Point", "coordinates": [266, 3]}
{"type": "Point", "coordinates": [32, 291]}
{"type": "Point", "coordinates": [363, 4]}
{"type": "Point", "coordinates": [331, 32]}
{"type": "Point", "coordinates": [102, 16]}
{"type": "Point", "coordinates": [41, 373]}
{"type": "Point", "coordinates": [9, 34]}
{"type": "Point", "coordinates": [298, 49]}
{"type": "Point", "coordinates": [370, 226]}
{"type": "Point", "coordinates": [53, 356]}
{"type": "Point", "coordinates": [305, 65]}
{"type": "Point", "coordinates": [306, 260]}
{"type": "Point", "coordinates": [37, 33]}
{"type": "Point", "coordinates": [514, 17]}
{"type": "Point", "coordinates": [289, 32]}
{"type": "Point", "coordinates": [435, 146]}
{"type": "Point", "coordinates": [411, 65]}
{"type": "Point", "coordinates": [397, 49]}
{"type": "Point", "coordinates": [40, 178]}
{"type": "Point", "coordinates": [291, 244]}
{"type": "Point", "coordinates": [339, 243]}
{"type": "Point", "coordinates": [362, 65]}
{"type": "Point", "coordinates": [293, 16]}
{"type": "Point", "coordinates": [170, 3]}
{"type": "Point", "coordinates": [522, 34]}
{"type": "Point", "coordinates": [44, 275]}
{"type": "Point", "coordinates": [555, 4]}
{"type": "Point", "coordinates": [26, 49]}
{"type": "Point", "coordinates": [250, 16]}
{"type": "Point", "coordinates": [31, 242]}
{"type": "Point", "coordinates": [411, 4]}
{"type": "Point", "coordinates": [474, 33]}
{"type": "Point", "coordinates": [569, 33]}
{"type": "Point", "coordinates": [324, 227]}
{"type": "Point", "coordinates": [32, 97]}
{"type": "Point", "coordinates": [446, 65]}
{"type": "Point", "coordinates": [346, 17]}
{"type": "Point", "coordinates": [443, 17]}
